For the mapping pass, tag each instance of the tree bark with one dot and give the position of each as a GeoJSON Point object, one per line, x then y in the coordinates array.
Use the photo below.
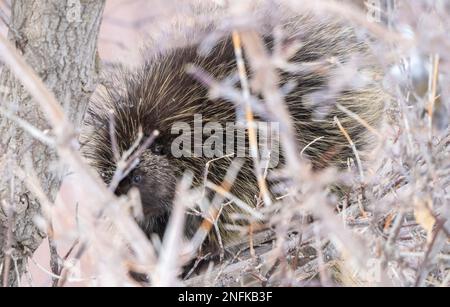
{"type": "Point", "coordinates": [58, 38]}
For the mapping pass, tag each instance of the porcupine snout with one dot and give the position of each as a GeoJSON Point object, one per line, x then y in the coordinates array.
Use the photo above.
{"type": "Point", "coordinates": [156, 182]}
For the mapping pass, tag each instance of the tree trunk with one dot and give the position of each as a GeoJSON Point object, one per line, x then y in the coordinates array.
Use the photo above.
{"type": "Point", "coordinates": [58, 38]}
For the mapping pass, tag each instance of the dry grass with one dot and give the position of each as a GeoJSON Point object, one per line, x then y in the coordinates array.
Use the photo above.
{"type": "Point", "coordinates": [391, 228]}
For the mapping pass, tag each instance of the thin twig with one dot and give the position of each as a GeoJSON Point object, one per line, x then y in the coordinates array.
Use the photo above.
{"type": "Point", "coordinates": [252, 135]}
{"type": "Point", "coordinates": [355, 151]}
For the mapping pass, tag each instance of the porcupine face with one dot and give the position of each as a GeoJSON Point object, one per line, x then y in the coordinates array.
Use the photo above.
{"type": "Point", "coordinates": [156, 181]}
{"type": "Point", "coordinates": [156, 173]}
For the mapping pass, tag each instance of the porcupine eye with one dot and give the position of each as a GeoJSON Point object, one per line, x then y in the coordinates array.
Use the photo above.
{"type": "Point", "coordinates": [158, 149]}
{"type": "Point", "coordinates": [137, 179]}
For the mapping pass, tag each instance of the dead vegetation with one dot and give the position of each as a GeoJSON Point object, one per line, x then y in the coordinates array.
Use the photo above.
{"type": "Point", "coordinates": [390, 229]}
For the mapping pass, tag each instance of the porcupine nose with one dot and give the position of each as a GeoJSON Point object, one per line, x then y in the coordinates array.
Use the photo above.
{"type": "Point", "coordinates": [122, 188]}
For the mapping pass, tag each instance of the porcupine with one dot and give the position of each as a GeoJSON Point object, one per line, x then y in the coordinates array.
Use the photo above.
{"type": "Point", "coordinates": [161, 92]}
